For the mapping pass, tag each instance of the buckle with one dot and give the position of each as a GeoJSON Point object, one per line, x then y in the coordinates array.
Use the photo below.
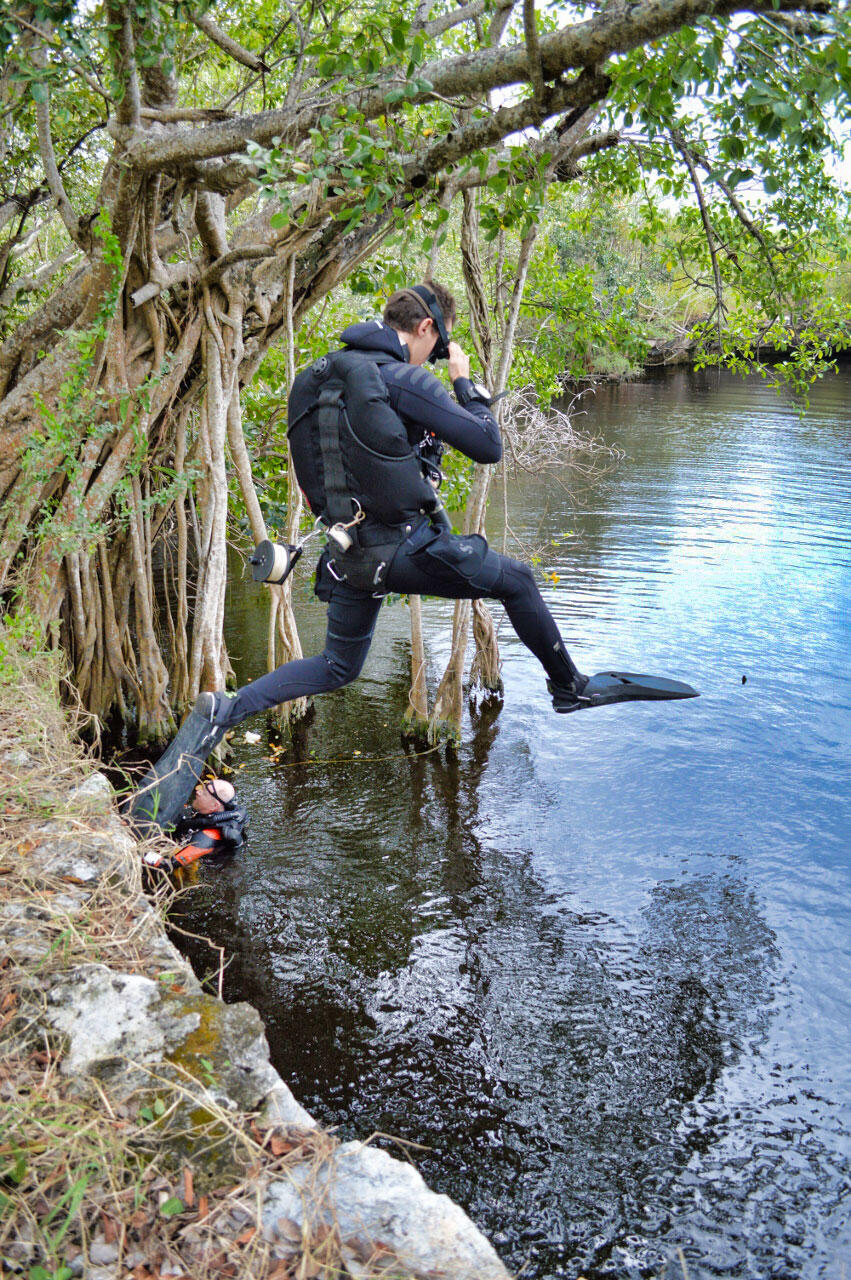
{"type": "Point", "coordinates": [330, 566]}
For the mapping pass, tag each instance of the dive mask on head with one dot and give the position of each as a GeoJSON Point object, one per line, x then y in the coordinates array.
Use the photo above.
{"type": "Point", "coordinates": [434, 311]}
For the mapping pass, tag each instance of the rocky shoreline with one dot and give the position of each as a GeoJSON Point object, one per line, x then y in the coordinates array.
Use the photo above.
{"type": "Point", "coordinates": [107, 1033]}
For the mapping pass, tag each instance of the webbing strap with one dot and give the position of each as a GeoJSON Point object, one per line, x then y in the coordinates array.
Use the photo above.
{"type": "Point", "coordinates": [338, 504]}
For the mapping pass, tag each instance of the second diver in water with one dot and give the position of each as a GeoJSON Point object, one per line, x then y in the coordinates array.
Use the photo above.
{"type": "Point", "coordinates": [213, 823]}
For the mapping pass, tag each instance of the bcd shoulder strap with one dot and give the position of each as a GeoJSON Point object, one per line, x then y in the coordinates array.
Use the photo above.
{"type": "Point", "coordinates": [331, 407]}
{"type": "Point", "coordinates": [338, 503]}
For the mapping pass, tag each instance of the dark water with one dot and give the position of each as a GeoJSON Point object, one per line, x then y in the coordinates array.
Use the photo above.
{"type": "Point", "coordinates": [598, 964]}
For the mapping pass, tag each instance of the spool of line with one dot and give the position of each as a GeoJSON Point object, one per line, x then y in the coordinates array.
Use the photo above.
{"type": "Point", "coordinates": [273, 561]}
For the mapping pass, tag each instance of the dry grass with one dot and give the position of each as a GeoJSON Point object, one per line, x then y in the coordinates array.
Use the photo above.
{"type": "Point", "coordinates": [153, 1178]}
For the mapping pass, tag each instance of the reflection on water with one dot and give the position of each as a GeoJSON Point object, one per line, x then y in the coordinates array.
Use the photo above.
{"type": "Point", "coordinates": [598, 965]}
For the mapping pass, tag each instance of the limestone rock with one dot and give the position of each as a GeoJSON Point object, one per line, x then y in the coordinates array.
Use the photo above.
{"type": "Point", "coordinates": [375, 1198]}
{"type": "Point", "coordinates": [94, 792]}
{"type": "Point", "coordinates": [108, 1015]}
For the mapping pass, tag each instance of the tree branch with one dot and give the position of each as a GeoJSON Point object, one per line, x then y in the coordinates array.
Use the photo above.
{"type": "Point", "coordinates": [424, 8]}
{"type": "Point", "coordinates": [500, 22]}
{"type": "Point", "coordinates": [124, 61]}
{"type": "Point", "coordinates": [679, 143]}
{"type": "Point", "coordinates": [586, 88]}
{"type": "Point", "coordinates": [52, 174]}
{"type": "Point", "coordinates": [248, 253]}
{"type": "Point", "coordinates": [583, 44]}
{"type": "Point", "coordinates": [231, 47]}
{"type": "Point", "coordinates": [446, 21]}
{"type": "Point", "coordinates": [745, 219]}
{"type": "Point", "coordinates": [533, 48]}
{"type": "Point", "coordinates": [194, 115]}
{"type": "Point", "coordinates": [27, 284]}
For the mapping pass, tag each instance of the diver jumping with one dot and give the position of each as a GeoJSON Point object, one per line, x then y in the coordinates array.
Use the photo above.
{"type": "Point", "coordinates": [367, 426]}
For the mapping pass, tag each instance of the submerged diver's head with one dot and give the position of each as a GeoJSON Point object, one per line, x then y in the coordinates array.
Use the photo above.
{"type": "Point", "coordinates": [213, 795]}
{"type": "Point", "coordinates": [423, 318]}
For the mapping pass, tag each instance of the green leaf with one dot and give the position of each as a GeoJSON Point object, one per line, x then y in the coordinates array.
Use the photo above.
{"type": "Point", "coordinates": [170, 1207]}
{"type": "Point", "coordinates": [38, 91]}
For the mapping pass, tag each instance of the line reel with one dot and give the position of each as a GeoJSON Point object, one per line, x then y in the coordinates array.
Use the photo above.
{"type": "Point", "coordinates": [273, 562]}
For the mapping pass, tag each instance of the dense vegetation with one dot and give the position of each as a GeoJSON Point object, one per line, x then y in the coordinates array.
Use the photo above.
{"type": "Point", "coordinates": [191, 197]}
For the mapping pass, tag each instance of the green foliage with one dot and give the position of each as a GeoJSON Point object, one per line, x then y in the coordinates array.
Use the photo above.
{"type": "Point", "coordinates": [23, 640]}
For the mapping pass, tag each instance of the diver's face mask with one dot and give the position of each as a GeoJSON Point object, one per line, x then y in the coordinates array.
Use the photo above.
{"type": "Point", "coordinates": [434, 312]}
{"type": "Point", "coordinates": [441, 347]}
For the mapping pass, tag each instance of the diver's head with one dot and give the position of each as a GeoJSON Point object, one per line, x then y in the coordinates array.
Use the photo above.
{"type": "Point", "coordinates": [423, 318]}
{"type": "Point", "coordinates": [213, 795]}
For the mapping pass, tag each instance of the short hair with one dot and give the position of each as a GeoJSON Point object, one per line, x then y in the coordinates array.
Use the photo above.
{"type": "Point", "coordinates": [403, 312]}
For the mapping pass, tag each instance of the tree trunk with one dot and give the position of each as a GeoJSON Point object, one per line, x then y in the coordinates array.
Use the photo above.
{"type": "Point", "coordinates": [485, 672]}
{"type": "Point", "coordinates": [416, 723]}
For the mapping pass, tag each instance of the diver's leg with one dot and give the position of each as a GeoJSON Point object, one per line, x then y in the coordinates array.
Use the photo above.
{"type": "Point", "coordinates": [490, 575]}
{"type": "Point", "coordinates": [351, 622]}
{"type": "Point", "coordinates": [168, 785]}
{"type": "Point", "coordinates": [464, 568]}
{"type": "Point", "coordinates": [536, 627]}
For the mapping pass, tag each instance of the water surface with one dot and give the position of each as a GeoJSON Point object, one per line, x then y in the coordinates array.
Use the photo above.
{"type": "Point", "coordinates": [598, 965]}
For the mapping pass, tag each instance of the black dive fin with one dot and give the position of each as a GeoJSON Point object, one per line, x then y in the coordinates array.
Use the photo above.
{"type": "Point", "coordinates": [626, 686]}
{"type": "Point", "coordinates": [167, 786]}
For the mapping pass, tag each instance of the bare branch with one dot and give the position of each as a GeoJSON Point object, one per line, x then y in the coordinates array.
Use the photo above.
{"type": "Point", "coordinates": [533, 48]}
{"type": "Point", "coordinates": [424, 8]}
{"type": "Point", "coordinates": [709, 232]}
{"type": "Point", "coordinates": [179, 274]}
{"type": "Point", "coordinates": [124, 57]}
{"type": "Point", "coordinates": [500, 22]}
{"type": "Point", "coordinates": [540, 438]}
{"type": "Point", "coordinates": [27, 284]}
{"type": "Point", "coordinates": [193, 115]}
{"type": "Point", "coordinates": [446, 21]}
{"type": "Point", "coordinates": [248, 253]}
{"type": "Point", "coordinates": [52, 174]}
{"type": "Point", "coordinates": [599, 142]}
{"type": "Point", "coordinates": [231, 47]}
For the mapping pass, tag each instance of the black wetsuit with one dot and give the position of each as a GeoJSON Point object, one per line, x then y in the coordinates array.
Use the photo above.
{"type": "Point", "coordinates": [428, 561]}
{"type": "Point", "coordinates": [226, 828]}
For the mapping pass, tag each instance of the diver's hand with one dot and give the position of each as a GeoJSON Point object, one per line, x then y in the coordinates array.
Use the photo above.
{"type": "Point", "coordinates": [459, 364]}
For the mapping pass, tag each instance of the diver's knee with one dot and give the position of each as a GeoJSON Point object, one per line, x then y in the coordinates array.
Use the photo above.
{"type": "Point", "coordinates": [343, 668]}
{"type": "Point", "coordinates": [518, 580]}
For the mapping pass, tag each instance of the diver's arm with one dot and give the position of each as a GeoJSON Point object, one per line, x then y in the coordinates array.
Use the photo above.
{"type": "Point", "coordinates": [419, 397]}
